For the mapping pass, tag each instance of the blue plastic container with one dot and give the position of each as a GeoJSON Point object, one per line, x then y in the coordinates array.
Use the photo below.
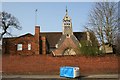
{"type": "Point", "coordinates": [70, 72]}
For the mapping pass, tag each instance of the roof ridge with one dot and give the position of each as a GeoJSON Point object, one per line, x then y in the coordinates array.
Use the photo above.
{"type": "Point", "coordinates": [62, 38]}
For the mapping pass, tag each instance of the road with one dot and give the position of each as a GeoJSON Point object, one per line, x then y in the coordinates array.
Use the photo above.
{"type": "Point", "coordinates": [57, 77]}
{"type": "Point", "coordinates": [54, 79]}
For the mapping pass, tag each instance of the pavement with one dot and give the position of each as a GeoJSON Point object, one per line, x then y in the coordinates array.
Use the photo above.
{"type": "Point", "coordinates": [101, 76]}
{"type": "Point", "coordinates": [110, 76]}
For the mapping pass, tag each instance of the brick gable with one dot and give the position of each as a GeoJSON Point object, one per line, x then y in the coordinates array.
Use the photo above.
{"type": "Point", "coordinates": [10, 45]}
{"type": "Point", "coordinates": [67, 43]}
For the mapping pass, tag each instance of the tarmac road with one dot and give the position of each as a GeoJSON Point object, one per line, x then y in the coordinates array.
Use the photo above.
{"type": "Point", "coordinates": [57, 77]}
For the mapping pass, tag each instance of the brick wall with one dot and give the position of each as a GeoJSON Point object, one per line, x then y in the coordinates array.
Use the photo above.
{"type": "Point", "coordinates": [10, 44]}
{"type": "Point", "coordinates": [68, 43]}
{"type": "Point", "coordinates": [46, 64]}
{"type": "Point", "coordinates": [43, 45]}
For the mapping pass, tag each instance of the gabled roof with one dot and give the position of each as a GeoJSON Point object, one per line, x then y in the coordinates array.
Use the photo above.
{"type": "Point", "coordinates": [74, 39]}
{"type": "Point", "coordinates": [62, 38]}
{"type": "Point", "coordinates": [54, 37]}
{"type": "Point", "coordinates": [14, 38]}
{"type": "Point", "coordinates": [80, 35]}
{"type": "Point", "coordinates": [27, 35]}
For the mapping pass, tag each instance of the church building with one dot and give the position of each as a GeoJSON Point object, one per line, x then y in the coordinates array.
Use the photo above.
{"type": "Point", "coordinates": [66, 42]}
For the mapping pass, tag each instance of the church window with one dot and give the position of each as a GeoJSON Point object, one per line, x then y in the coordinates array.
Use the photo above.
{"type": "Point", "coordinates": [19, 47]}
{"type": "Point", "coordinates": [68, 36]}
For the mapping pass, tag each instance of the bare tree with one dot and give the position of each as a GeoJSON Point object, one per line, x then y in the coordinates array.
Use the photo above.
{"type": "Point", "coordinates": [103, 21]}
{"type": "Point", "coordinates": [118, 35]}
{"type": "Point", "coordinates": [8, 21]}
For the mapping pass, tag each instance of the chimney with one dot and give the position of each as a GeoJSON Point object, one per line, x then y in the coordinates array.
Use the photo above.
{"type": "Point", "coordinates": [37, 31]}
{"type": "Point", "coordinates": [37, 39]}
{"type": "Point", "coordinates": [43, 45]}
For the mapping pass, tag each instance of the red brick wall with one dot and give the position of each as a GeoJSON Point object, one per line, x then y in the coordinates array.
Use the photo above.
{"type": "Point", "coordinates": [10, 47]}
{"type": "Point", "coordinates": [68, 43]}
{"type": "Point", "coordinates": [10, 44]}
{"type": "Point", "coordinates": [43, 45]}
{"type": "Point", "coordinates": [46, 64]}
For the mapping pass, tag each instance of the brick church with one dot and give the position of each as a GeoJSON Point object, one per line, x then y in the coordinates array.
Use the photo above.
{"type": "Point", "coordinates": [66, 42]}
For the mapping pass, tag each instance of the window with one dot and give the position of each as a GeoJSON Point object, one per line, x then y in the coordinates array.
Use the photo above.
{"type": "Point", "coordinates": [29, 46]}
{"type": "Point", "coordinates": [19, 47]}
{"type": "Point", "coordinates": [68, 36]}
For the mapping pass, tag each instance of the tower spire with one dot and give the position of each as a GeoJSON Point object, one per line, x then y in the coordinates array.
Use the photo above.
{"type": "Point", "coordinates": [67, 24]}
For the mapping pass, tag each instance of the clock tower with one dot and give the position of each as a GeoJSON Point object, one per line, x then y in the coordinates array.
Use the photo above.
{"type": "Point", "coordinates": [67, 25]}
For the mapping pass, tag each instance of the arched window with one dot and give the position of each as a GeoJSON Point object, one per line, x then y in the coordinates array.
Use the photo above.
{"type": "Point", "coordinates": [68, 36]}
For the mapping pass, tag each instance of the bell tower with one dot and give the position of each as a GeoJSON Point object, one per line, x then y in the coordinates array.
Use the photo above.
{"type": "Point", "coordinates": [67, 25]}
{"type": "Point", "coordinates": [68, 43]}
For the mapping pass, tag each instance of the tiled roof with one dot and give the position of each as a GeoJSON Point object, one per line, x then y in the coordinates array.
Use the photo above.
{"type": "Point", "coordinates": [62, 38]}
{"type": "Point", "coordinates": [75, 40]}
{"type": "Point", "coordinates": [54, 37]}
{"type": "Point", "coordinates": [28, 35]}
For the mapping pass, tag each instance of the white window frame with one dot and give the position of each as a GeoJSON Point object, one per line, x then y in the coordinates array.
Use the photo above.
{"type": "Point", "coordinates": [29, 46]}
{"type": "Point", "coordinates": [19, 47]}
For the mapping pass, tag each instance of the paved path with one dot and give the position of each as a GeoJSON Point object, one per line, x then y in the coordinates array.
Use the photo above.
{"type": "Point", "coordinates": [115, 76]}
{"type": "Point", "coordinates": [106, 76]}
{"type": "Point", "coordinates": [31, 76]}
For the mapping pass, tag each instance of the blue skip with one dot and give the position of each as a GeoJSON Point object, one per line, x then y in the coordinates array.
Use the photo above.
{"type": "Point", "coordinates": [69, 72]}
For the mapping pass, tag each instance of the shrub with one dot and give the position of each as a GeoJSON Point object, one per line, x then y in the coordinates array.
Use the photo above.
{"type": "Point", "coordinates": [88, 49]}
